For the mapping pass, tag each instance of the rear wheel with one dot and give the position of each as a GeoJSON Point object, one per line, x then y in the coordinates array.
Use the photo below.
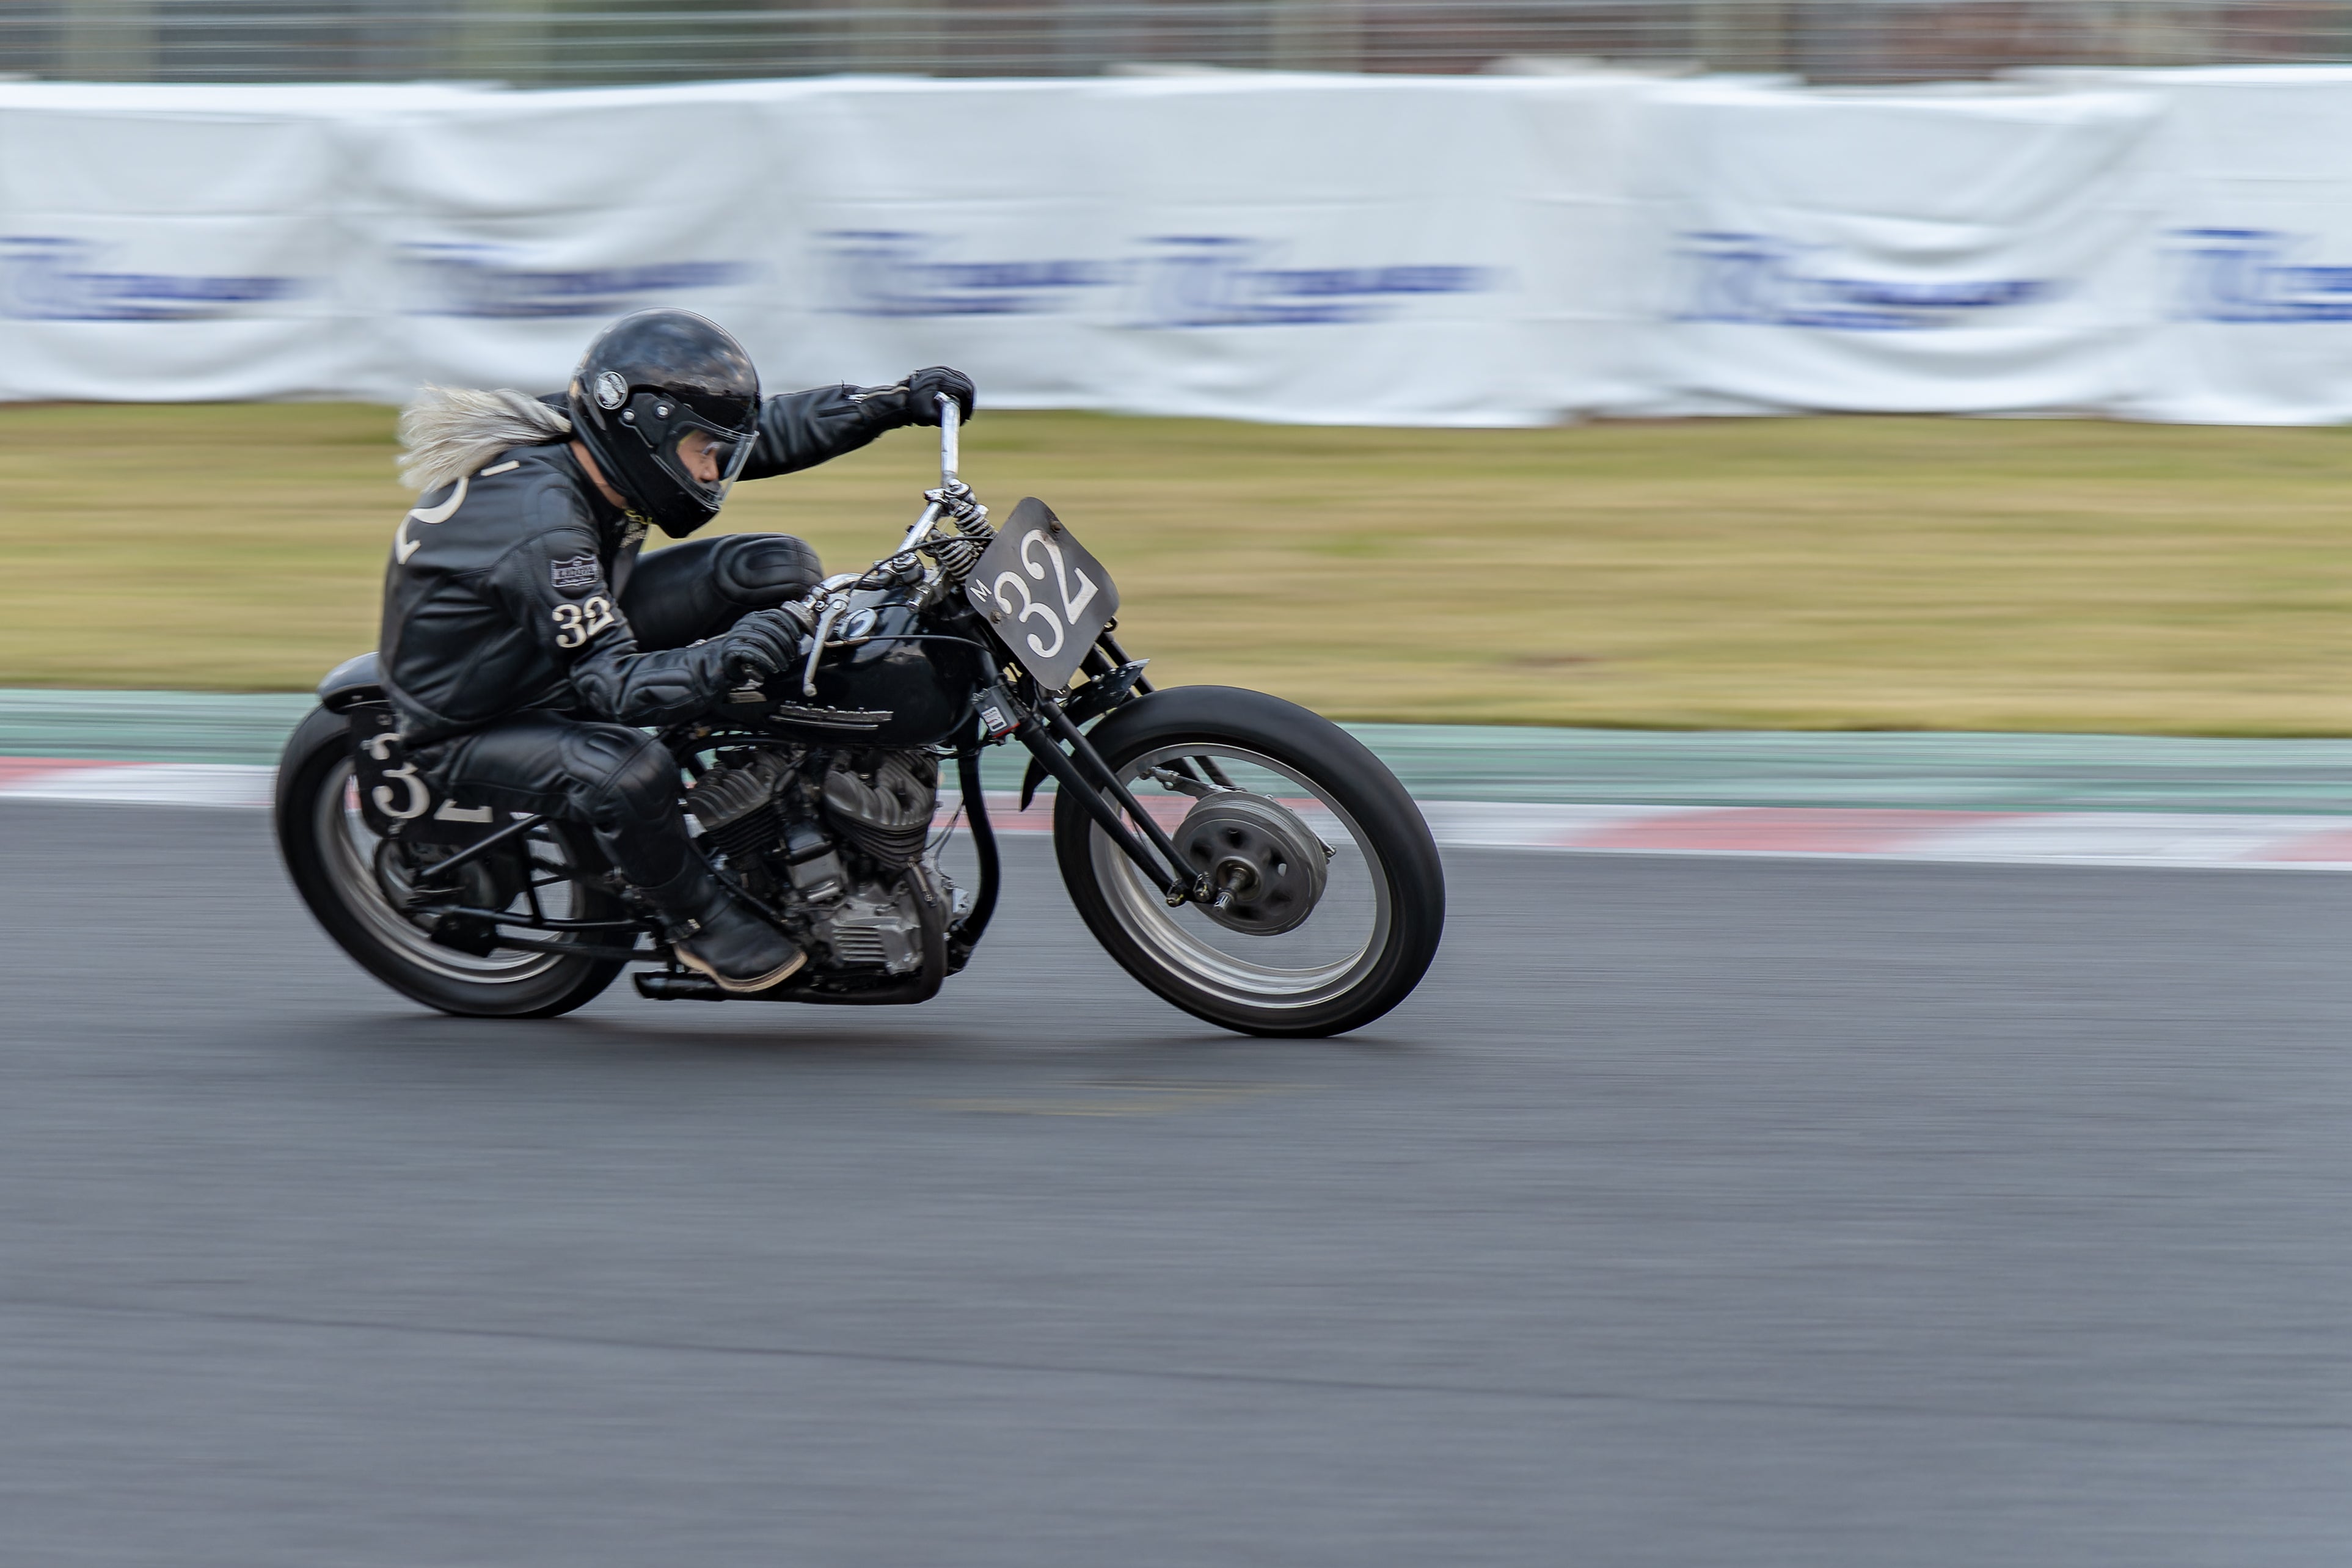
{"type": "Point", "coordinates": [1334, 898]}
{"type": "Point", "coordinates": [354, 879]}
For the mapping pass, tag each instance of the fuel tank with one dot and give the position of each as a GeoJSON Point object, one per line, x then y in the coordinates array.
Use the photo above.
{"type": "Point", "coordinates": [924, 686]}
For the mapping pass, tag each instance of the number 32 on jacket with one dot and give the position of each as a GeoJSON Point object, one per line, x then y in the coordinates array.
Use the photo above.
{"type": "Point", "coordinates": [576, 623]}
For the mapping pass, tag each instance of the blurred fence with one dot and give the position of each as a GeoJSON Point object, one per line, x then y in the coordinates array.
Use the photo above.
{"type": "Point", "coordinates": [1355, 248]}
{"type": "Point", "coordinates": [583, 42]}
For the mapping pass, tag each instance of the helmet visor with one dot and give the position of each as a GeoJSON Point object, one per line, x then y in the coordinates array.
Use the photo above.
{"type": "Point", "coordinates": [704, 458]}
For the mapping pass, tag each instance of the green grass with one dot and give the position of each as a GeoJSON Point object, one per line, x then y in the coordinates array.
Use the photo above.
{"type": "Point", "coordinates": [1820, 573]}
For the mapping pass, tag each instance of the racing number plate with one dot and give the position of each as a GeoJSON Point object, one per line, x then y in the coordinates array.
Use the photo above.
{"type": "Point", "coordinates": [394, 797]}
{"type": "Point", "coordinates": [1047, 597]}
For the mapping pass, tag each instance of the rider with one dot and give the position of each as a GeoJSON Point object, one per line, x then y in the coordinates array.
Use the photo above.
{"type": "Point", "coordinates": [525, 648]}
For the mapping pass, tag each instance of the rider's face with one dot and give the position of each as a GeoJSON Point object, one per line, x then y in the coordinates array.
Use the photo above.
{"type": "Point", "coordinates": [699, 453]}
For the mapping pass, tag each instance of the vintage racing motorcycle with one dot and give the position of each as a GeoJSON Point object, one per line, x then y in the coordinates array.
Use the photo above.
{"type": "Point", "coordinates": [1245, 858]}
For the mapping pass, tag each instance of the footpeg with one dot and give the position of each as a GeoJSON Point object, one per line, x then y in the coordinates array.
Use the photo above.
{"type": "Point", "coordinates": [467, 934]}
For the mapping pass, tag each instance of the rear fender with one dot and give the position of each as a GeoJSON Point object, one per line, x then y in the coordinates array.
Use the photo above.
{"type": "Point", "coordinates": [350, 683]}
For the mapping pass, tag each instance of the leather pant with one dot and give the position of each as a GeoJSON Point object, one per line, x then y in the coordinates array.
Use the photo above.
{"type": "Point", "coordinates": [620, 782]}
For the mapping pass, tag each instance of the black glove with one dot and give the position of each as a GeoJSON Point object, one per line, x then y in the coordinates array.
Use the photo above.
{"type": "Point", "coordinates": [915, 400]}
{"type": "Point", "coordinates": [923, 389]}
{"type": "Point", "coordinates": [767, 642]}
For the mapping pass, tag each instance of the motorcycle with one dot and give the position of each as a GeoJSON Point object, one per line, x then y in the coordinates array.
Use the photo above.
{"type": "Point", "coordinates": [1243, 858]}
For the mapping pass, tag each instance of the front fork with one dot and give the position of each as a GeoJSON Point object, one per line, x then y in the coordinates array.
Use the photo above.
{"type": "Point", "coordinates": [1042, 726]}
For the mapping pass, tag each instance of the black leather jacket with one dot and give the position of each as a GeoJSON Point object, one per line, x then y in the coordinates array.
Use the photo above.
{"type": "Point", "coordinates": [503, 592]}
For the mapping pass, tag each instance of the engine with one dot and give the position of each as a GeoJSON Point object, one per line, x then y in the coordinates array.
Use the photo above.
{"type": "Point", "coordinates": [832, 841]}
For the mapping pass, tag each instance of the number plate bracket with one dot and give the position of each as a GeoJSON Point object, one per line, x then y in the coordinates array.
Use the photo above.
{"type": "Point", "coordinates": [394, 796]}
{"type": "Point", "coordinates": [1047, 597]}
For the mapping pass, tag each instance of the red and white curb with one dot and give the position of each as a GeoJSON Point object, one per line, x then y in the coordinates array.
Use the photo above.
{"type": "Point", "coordinates": [135, 783]}
{"type": "Point", "coordinates": [2075, 838]}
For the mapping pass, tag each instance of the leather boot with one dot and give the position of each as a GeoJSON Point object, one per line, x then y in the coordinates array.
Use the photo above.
{"type": "Point", "coordinates": [711, 931]}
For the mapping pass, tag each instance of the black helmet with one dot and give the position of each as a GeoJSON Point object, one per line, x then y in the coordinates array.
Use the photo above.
{"type": "Point", "coordinates": [652, 381]}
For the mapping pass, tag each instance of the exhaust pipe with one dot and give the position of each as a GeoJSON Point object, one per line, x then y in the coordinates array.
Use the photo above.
{"type": "Point", "coordinates": [659, 986]}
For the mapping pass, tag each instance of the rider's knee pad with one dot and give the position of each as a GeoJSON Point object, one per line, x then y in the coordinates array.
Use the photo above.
{"type": "Point", "coordinates": [758, 571]}
{"type": "Point", "coordinates": [699, 589]}
{"type": "Point", "coordinates": [627, 776]}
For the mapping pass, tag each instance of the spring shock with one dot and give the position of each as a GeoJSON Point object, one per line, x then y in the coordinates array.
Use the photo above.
{"type": "Point", "coordinates": [958, 553]}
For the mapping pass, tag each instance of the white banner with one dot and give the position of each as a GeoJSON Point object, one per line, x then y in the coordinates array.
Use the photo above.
{"type": "Point", "coordinates": [498, 234]}
{"type": "Point", "coordinates": [184, 244]}
{"type": "Point", "coordinates": [2255, 244]}
{"type": "Point", "coordinates": [1312, 249]}
{"type": "Point", "coordinates": [182, 256]}
{"type": "Point", "coordinates": [1386, 250]}
{"type": "Point", "coordinates": [1901, 253]}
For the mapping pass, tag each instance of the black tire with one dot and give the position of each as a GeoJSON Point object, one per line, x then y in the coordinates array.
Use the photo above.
{"type": "Point", "coordinates": [1401, 857]}
{"type": "Point", "coordinates": [311, 780]}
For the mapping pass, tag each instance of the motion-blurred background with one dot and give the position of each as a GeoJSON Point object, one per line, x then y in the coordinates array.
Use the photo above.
{"type": "Point", "coordinates": [1374, 342]}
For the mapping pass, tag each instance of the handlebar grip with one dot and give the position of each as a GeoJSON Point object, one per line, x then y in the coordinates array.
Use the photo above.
{"type": "Point", "coordinates": [950, 415]}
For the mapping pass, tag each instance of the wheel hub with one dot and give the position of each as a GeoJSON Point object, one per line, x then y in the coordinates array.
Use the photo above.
{"type": "Point", "coordinates": [1267, 869]}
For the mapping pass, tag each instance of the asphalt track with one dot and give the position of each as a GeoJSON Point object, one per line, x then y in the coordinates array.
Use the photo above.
{"type": "Point", "coordinates": [1695, 1212]}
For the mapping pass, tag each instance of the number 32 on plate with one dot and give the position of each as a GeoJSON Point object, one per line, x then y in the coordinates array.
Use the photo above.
{"type": "Point", "coordinates": [1046, 596]}
{"type": "Point", "coordinates": [1073, 586]}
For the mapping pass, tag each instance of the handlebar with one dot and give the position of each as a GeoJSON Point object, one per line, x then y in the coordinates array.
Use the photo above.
{"type": "Point", "coordinates": [951, 418]}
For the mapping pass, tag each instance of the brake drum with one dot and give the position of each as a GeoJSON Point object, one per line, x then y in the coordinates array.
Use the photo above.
{"type": "Point", "coordinates": [1268, 866]}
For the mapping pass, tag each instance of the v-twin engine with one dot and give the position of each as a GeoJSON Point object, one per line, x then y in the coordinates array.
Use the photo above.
{"type": "Point", "coordinates": [833, 842]}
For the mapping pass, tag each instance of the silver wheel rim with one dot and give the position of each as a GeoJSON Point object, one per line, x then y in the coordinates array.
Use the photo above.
{"type": "Point", "coordinates": [1142, 912]}
{"type": "Point", "coordinates": [350, 847]}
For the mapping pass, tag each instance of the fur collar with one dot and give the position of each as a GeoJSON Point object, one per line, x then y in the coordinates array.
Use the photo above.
{"type": "Point", "coordinates": [449, 431]}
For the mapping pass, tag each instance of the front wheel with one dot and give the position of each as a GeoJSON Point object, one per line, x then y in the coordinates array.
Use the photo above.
{"type": "Point", "coordinates": [1333, 898]}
